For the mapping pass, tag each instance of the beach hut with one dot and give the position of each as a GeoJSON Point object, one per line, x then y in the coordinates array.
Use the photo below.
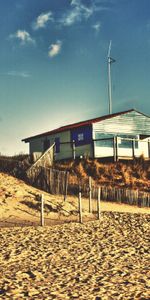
{"type": "Point", "coordinates": [122, 135]}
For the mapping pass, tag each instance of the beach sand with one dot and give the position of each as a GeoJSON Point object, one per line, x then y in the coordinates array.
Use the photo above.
{"type": "Point", "coordinates": [107, 259]}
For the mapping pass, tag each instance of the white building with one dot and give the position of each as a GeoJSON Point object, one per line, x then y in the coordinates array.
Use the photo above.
{"type": "Point", "coordinates": [120, 135]}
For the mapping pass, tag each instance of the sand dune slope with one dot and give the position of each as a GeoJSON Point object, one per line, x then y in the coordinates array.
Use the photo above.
{"type": "Point", "coordinates": [20, 204]}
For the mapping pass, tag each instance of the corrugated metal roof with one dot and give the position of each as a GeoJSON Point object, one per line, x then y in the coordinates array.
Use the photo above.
{"type": "Point", "coordinates": [79, 124]}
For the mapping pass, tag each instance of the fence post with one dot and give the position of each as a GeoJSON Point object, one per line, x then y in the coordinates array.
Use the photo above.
{"type": "Point", "coordinates": [42, 210]}
{"type": "Point", "coordinates": [80, 208]}
{"type": "Point", "coordinates": [66, 186]}
{"type": "Point", "coordinates": [58, 182]}
{"type": "Point", "coordinates": [98, 204]}
{"type": "Point", "coordinates": [90, 194]}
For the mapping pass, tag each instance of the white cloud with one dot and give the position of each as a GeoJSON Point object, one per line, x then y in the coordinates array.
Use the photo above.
{"type": "Point", "coordinates": [55, 49]}
{"type": "Point", "coordinates": [42, 20]}
{"type": "Point", "coordinates": [23, 36]}
{"type": "Point", "coordinates": [97, 26]}
{"type": "Point", "coordinates": [77, 13]}
{"type": "Point", "coordinates": [23, 74]}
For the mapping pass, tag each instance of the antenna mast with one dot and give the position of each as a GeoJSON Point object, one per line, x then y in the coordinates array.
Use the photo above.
{"type": "Point", "coordinates": [110, 60]}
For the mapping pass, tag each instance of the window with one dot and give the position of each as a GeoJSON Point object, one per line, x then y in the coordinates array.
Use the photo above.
{"type": "Point", "coordinates": [57, 144]}
{"type": "Point", "coordinates": [104, 140]}
{"type": "Point", "coordinates": [46, 145]}
{"type": "Point", "coordinates": [80, 137]}
{"type": "Point", "coordinates": [126, 141]}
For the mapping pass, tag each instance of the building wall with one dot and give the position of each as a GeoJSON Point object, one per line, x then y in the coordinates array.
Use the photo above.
{"type": "Point", "coordinates": [84, 151]}
{"type": "Point", "coordinates": [141, 148]}
{"type": "Point", "coordinates": [144, 148]}
{"type": "Point", "coordinates": [129, 125]}
{"type": "Point", "coordinates": [37, 144]}
{"type": "Point", "coordinates": [82, 147]}
{"type": "Point", "coordinates": [82, 137]}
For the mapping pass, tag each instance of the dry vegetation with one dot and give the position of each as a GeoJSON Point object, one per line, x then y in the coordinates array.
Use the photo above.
{"type": "Point", "coordinates": [15, 165]}
{"type": "Point", "coordinates": [133, 174]}
{"type": "Point", "coordinates": [129, 174]}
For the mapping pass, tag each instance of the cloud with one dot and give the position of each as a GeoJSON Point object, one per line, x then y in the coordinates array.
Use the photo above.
{"type": "Point", "coordinates": [23, 36]}
{"type": "Point", "coordinates": [42, 20]}
{"type": "Point", "coordinates": [97, 26]}
{"type": "Point", "coordinates": [55, 49]}
{"type": "Point", "coordinates": [23, 74]}
{"type": "Point", "coordinates": [77, 13]}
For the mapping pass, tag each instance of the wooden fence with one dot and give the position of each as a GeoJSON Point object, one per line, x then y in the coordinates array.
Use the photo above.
{"type": "Point", "coordinates": [48, 179]}
{"type": "Point", "coordinates": [60, 182]}
{"type": "Point", "coordinates": [132, 197]}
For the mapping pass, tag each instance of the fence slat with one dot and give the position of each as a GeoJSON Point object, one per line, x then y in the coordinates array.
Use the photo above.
{"type": "Point", "coordinates": [80, 208]}
{"type": "Point", "coordinates": [90, 195]}
{"type": "Point", "coordinates": [98, 203]}
{"type": "Point", "coordinates": [42, 210]}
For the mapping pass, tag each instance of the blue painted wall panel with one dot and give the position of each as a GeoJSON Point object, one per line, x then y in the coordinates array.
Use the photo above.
{"type": "Point", "coordinates": [82, 135]}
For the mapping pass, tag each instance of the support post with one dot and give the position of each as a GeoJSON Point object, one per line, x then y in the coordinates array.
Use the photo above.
{"type": "Point", "coordinates": [66, 185]}
{"type": "Point", "coordinates": [116, 148]}
{"type": "Point", "coordinates": [109, 85]}
{"type": "Point", "coordinates": [93, 148]}
{"type": "Point", "coordinates": [74, 149]}
{"type": "Point", "coordinates": [42, 210]}
{"type": "Point", "coordinates": [98, 204]}
{"type": "Point", "coordinates": [114, 144]}
{"type": "Point", "coordinates": [133, 149]}
{"type": "Point", "coordinates": [80, 208]}
{"type": "Point", "coordinates": [90, 194]}
{"type": "Point", "coordinates": [149, 149]}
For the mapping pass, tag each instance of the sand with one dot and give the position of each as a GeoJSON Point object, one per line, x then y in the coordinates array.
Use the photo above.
{"type": "Point", "coordinates": [107, 259]}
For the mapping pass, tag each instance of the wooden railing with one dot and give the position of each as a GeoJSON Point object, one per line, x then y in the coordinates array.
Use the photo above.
{"type": "Point", "coordinates": [45, 160]}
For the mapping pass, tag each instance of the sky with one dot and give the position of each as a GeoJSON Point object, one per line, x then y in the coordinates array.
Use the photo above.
{"type": "Point", "coordinates": [53, 63]}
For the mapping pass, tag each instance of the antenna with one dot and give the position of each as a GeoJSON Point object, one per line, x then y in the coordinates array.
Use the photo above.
{"type": "Point", "coordinates": [110, 61]}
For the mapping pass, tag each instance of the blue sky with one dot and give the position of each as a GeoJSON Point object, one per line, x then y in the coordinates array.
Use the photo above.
{"type": "Point", "coordinates": [53, 63]}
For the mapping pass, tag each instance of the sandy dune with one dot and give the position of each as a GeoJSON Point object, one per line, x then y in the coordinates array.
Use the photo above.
{"type": "Point", "coordinates": [19, 204]}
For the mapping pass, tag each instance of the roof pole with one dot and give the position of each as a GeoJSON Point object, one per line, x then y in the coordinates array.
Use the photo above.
{"type": "Point", "coordinates": [110, 61]}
